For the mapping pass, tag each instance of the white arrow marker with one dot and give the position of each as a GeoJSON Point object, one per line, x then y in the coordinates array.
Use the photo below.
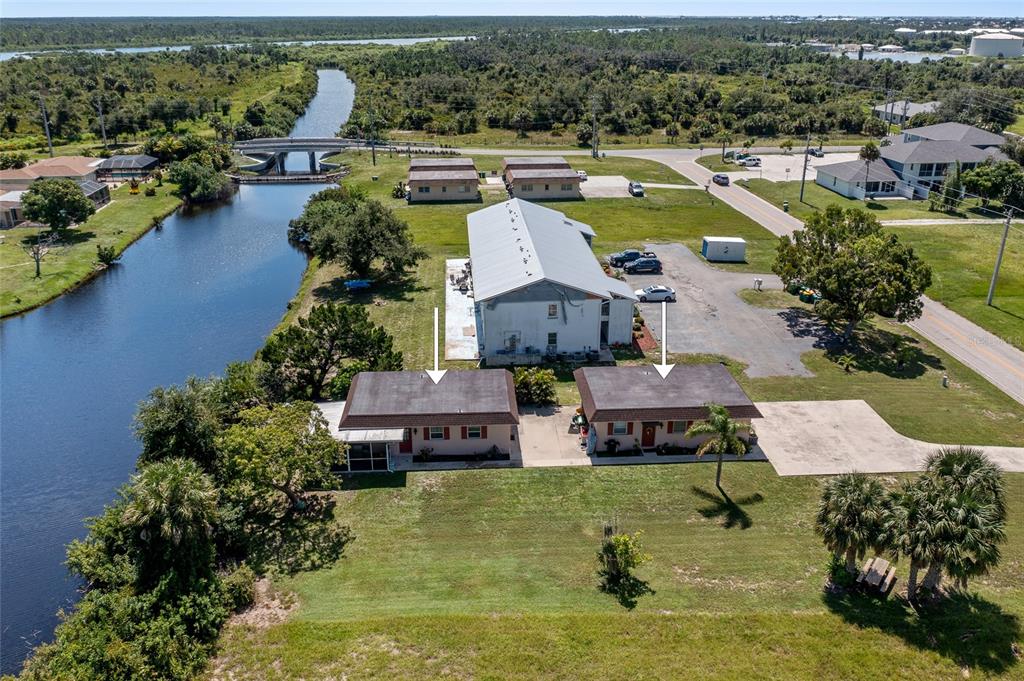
{"type": "Point", "coordinates": [436, 375]}
{"type": "Point", "coordinates": [664, 367]}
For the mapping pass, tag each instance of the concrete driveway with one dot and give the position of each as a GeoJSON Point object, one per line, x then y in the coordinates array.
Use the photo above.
{"type": "Point", "coordinates": [844, 436]}
{"type": "Point", "coordinates": [773, 166]}
{"type": "Point", "coordinates": [605, 187]}
{"type": "Point", "coordinates": [709, 317]}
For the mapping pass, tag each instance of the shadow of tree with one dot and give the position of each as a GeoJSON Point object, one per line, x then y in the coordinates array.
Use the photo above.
{"type": "Point", "coordinates": [881, 351]}
{"type": "Point", "coordinates": [965, 628]}
{"type": "Point", "coordinates": [627, 589]}
{"type": "Point", "coordinates": [806, 324]}
{"type": "Point", "coordinates": [722, 506]}
{"type": "Point", "coordinates": [371, 481]}
{"type": "Point", "coordinates": [393, 289]}
{"type": "Point", "coordinates": [68, 237]}
{"type": "Point", "coordinates": [290, 540]}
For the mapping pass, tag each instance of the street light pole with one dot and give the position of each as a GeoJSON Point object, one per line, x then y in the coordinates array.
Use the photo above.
{"type": "Point", "coordinates": [999, 258]}
{"type": "Point", "coordinates": [803, 176]}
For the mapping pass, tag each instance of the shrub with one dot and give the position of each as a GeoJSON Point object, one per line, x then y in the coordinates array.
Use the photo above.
{"type": "Point", "coordinates": [239, 588]}
{"type": "Point", "coordinates": [150, 191]}
{"type": "Point", "coordinates": [107, 255]}
{"type": "Point", "coordinates": [535, 386]}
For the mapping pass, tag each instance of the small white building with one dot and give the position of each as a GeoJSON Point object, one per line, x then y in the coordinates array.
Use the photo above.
{"type": "Point", "coordinates": [855, 180]}
{"type": "Point", "coordinates": [997, 45]}
{"type": "Point", "coordinates": [724, 249]}
{"type": "Point", "coordinates": [901, 111]}
{"type": "Point", "coordinates": [539, 290]}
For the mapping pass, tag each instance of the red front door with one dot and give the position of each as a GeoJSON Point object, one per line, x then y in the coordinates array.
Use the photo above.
{"type": "Point", "coordinates": [405, 446]}
{"type": "Point", "coordinates": [647, 437]}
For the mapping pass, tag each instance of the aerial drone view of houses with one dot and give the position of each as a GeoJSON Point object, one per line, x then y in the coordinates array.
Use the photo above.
{"type": "Point", "coordinates": [551, 352]}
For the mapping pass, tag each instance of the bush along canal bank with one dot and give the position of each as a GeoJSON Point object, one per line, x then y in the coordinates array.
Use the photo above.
{"type": "Point", "coordinates": [188, 299]}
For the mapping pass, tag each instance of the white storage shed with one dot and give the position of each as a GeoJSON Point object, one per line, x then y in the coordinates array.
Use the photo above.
{"type": "Point", "coordinates": [724, 249]}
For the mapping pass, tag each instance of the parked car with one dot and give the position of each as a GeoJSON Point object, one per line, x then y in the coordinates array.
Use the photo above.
{"type": "Point", "coordinates": [720, 178]}
{"type": "Point", "coordinates": [816, 153]}
{"type": "Point", "coordinates": [655, 294]}
{"type": "Point", "coordinates": [628, 256]}
{"type": "Point", "coordinates": [750, 162]}
{"type": "Point", "coordinates": [643, 266]}
{"type": "Point", "coordinates": [636, 189]}
{"type": "Point", "coordinates": [582, 174]}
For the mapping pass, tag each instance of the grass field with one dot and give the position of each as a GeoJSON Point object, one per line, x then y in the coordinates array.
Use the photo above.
{"type": "Point", "coordinates": [117, 224]}
{"type": "Point", "coordinates": [818, 198]}
{"type": "Point", "coordinates": [492, 574]}
{"type": "Point", "coordinates": [962, 258]}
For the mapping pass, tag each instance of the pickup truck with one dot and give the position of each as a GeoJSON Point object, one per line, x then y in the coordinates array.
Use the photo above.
{"type": "Point", "coordinates": [627, 256]}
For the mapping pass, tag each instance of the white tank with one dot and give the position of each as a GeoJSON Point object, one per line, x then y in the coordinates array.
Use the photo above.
{"type": "Point", "coordinates": [997, 45]}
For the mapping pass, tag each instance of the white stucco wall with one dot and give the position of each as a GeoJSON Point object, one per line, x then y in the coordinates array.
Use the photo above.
{"type": "Point", "coordinates": [620, 321]}
{"type": "Point", "coordinates": [661, 435]}
{"type": "Point", "coordinates": [499, 436]}
{"type": "Point", "coordinates": [553, 191]}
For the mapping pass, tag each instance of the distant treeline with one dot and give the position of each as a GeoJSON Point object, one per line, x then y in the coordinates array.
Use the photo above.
{"type": "Point", "coordinates": [107, 32]}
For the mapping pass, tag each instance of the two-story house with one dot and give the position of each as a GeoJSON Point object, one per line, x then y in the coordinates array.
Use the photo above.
{"type": "Point", "coordinates": [538, 288]}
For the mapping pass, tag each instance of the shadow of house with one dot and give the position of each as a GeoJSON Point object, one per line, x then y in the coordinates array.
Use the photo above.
{"type": "Point", "coordinates": [966, 629]}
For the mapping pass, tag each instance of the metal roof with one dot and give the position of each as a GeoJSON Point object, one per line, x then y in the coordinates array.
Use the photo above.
{"type": "Point", "coordinates": [957, 132]}
{"type": "Point", "coordinates": [131, 161]}
{"type": "Point", "coordinates": [543, 174]}
{"type": "Point", "coordinates": [400, 399]}
{"type": "Point", "coordinates": [426, 175]}
{"type": "Point", "coordinates": [435, 163]}
{"type": "Point", "coordinates": [936, 151]}
{"type": "Point", "coordinates": [638, 392]}
{"type": "Point", "coordinates": [906, 108]}
{"type": "Point", "coordinates": [534, 161]}
{"type": "Point", "coordinates": [852, 171]}
{"type": "Point", "coordinates": [517, 243]}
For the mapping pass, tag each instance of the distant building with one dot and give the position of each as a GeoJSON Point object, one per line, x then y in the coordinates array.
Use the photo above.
{"type": "Point", "coordinates": [997, 45]}
{"type": "Point", "coordinates": [531, 163]}
{"type": "Point", "coordinates": [901, 111]}
{"type": "Point", "coordinates": [544, 184]}
{"type": "Point", "coordinates": [78, 168]}
{"type": "Point", "coordinates": [538, 288]}
{"type": "Point", "coordinates": [127, 167]}
{"type": "Point", "coordinates": [854, 180]}
{"type": "Point", "coordinates": [433, 180]}
{"type": "Point", "coordinates": [891, 48]}
{"type": "Point", "coordinates": [12, 213]}
{"type": "Point", "coordinates": [956, 52]}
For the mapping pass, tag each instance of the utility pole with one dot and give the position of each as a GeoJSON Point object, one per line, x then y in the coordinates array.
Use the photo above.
{"type": "Point", "coordinates": [593, 125]}
{"type": "Point", "coordinates": [803, 176]}
{"type": "Point", "coordinates": [46, 123]}
{"type": "Point", "coordinates": [999, 258]}
{"type": "Point", "coordinates": [103, 126]}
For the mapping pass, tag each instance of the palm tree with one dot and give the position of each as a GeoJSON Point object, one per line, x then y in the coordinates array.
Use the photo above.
{"type": "Point", "coordinates": [850, 517]}
{"type": "Point", "coordinates": [725, 137]}
{"type": "Point", "coordinates": [869, 153]}
{"type": "Point", "coordinates": [821, 139]}
{"type": "Point", "coordinates": [171, 506]}
{"type": "Point", "coordinates": [967, 533]}
{"type": "Point", "coordinates": [968, 469]}
{"type": "Point", "coordinates": [723, 440]}
{"type": "Point", "coordinates": [908, 528]}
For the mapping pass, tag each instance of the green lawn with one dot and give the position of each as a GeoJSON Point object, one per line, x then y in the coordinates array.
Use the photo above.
{"type": "Point", "coordinates": [818, 198]}
{"type": "Point", "coordinates": [715, 164]}
{"type": "Point", "coordinates": [491, 574]}
{"type": "Point", "coordinates": [962, 258]}
{"type": "Point", "coordinates": [121, 222]}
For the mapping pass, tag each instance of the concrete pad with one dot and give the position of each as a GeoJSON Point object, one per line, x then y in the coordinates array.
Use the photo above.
{"type": "Point", "coordinates": [545, 438]}
{"type": "Point", "coordinates": [460, 341]}
{"type": "Point", "coordinates": [605, 187]}
{"type": "Point", "coordinates": [845, 436]}
{"type": "Point", "coordinates": [773, 166]}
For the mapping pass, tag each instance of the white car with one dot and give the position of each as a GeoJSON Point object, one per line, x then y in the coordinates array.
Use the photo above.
{"type": "Point", "coordinates": [750, 162]}
{"type": "Point", "coordinates": [582, 174]}
{"type": "Point", "coordinates": [655, 294]}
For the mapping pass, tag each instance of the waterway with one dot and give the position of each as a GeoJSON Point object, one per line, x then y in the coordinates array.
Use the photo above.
{"type": "Point", "coordinates": [4, 56]}
{"type": "Point", "coordinates": [185, 300]}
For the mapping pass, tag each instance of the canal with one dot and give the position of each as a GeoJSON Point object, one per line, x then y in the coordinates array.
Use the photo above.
{"type": "Point", "coordinates": [185, 300]}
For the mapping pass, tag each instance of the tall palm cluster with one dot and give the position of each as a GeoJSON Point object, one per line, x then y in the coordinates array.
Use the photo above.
{"type": "Point", "coordinates": [948, 522]}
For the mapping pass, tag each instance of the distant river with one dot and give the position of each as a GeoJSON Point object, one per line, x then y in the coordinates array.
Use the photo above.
{"type": "Point", "coordinates": [186, 299]}
{"type": "Point", "coordinates": [4, 56]}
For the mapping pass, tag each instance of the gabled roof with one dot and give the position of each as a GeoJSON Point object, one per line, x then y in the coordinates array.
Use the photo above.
{"type": "Point", "coordinates": [515, 244]}
{"type": "Point", "coordinates": [543, 174]}
{"type": "Point", "coordinates": [134, 161]}
{"type": "Point", "coordinates": [58, 166]}
{"type": "Point", "coordinates": [906, 108]}
{"type": "Point", "coordinates": [936, 151]}
{"type": "Point", "coordinates": [435, 163]}
{"type": "Point", "coordinates": [853, 171]}
{"type": "Point", "coordinates": [534, 161]}
{"type": "Point", "coordinates": [399, 399]}
{"type": "Point", "coordinates": [638, 393]}
{"type": "Point", "coordinates": [956, 132]}
{"type": "Point", "coordinates": [427, 175]}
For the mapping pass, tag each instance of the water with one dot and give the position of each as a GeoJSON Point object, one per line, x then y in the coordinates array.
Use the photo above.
{"type": "Point", "coordinates": [4, 56]}
{"type": "Point", "coordinates": [185, 300]}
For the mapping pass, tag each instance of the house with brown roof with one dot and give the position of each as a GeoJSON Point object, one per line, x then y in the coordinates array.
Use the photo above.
{"type": "Point", "coordinates": [433, 180]}
{"type": "Point", "coordinates": [77, 168]}
{"type": "Point", "coordinates": [393, 413]}
{"type": "Point", "coordinates": [633, 405]}
{"type": "Point", "coordinates": [540, 178]}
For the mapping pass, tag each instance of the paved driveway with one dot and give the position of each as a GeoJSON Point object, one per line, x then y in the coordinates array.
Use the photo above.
{"type": "Point", "coordinates": [709, 317]}
{"type": "Point", "coordinates": [774, 166]}
{"type": "Point", "coordinates": [843, 436]}
{"type": "Point", "coordinates": [605, 187]}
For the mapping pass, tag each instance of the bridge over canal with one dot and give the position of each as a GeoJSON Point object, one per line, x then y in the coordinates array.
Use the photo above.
{"type": "Point", "coordinates": [274, 150]}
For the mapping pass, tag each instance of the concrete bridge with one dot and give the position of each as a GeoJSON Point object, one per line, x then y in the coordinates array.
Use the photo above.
{"type": "Point", "coordinates": [280, 147]}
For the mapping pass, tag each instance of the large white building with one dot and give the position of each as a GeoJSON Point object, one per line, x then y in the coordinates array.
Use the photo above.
{"type": "Point", "coordinates": [997, 45]}
{"type": "Point", "coordinates": [539, 290]}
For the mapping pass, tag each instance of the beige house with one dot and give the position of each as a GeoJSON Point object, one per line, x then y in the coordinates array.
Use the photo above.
{"type": "Point", "coordinates": [510, 163]}
{"type": "Point", "coordinates": [77, 168]}
{"type": "Point", "coordinates": [442, 179]}
{"type": "Point", "coordinates": [634, 406]}
{"type": "Point", "coordinates": [543, 183]}
{"type": "Point", "coordinates": [390, 414]}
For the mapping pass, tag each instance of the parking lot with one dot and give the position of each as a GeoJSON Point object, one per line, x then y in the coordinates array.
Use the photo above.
{"type": "Point", "coordinates": [709, 317]}
{"type": "Point", "coordinates": [774, 166]}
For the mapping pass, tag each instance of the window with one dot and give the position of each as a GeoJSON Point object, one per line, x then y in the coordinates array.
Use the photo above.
{"type": "Point", "coordinates": [444, 189]}
{"type": "Point", "coordinates": [619, 428]}
{"type": "Point", "coordinates": [888, 187]}
{"type": "Point", "coordinates": [423, 190]}
{"type": "Point", "coordinates": [436, 432]}
{"type": "Point", "coordinates": [680, 426]}
{"type": "Point", "coordinates": [872, 187]}
{"type": "Point", "coordinates": [927, 170]}
{"type": "Point", "coordinates": [474, 432]}
{"type": "Point", "coordinates": [553, 311]}
{"type": "Point", "coordinates": [606, 308]}
{"type": "Point", "coordinates": [566, 187]}
{"type": "Point", "coordinates": [527, 187]}
{"type": "Point", "coordinates": [553, 339]}
{"type": "Point", "coordinates": [463, 188]}
{"type": "Point", "coordinates": [547, 187]}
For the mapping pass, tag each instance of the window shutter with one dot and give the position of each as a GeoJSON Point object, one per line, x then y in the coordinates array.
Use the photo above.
{"type": "Point", "coordinates": [483, 432]}
{"type": "Point", "coordinates": [426, 432]}
{"type": "Point", "coordinates": [669, 427]}
{"type": "Point", "coordinates": [465, 433]}
{"type": "Point", "coordinates": [610, 427]}
{"type": "Point", "coordinates": [447, 433]}
{"type": "Point", "coordinates": [629, 427]}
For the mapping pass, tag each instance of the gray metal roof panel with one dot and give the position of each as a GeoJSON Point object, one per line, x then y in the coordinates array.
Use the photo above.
{"type": "Point", "coordinates": [852, 171]}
